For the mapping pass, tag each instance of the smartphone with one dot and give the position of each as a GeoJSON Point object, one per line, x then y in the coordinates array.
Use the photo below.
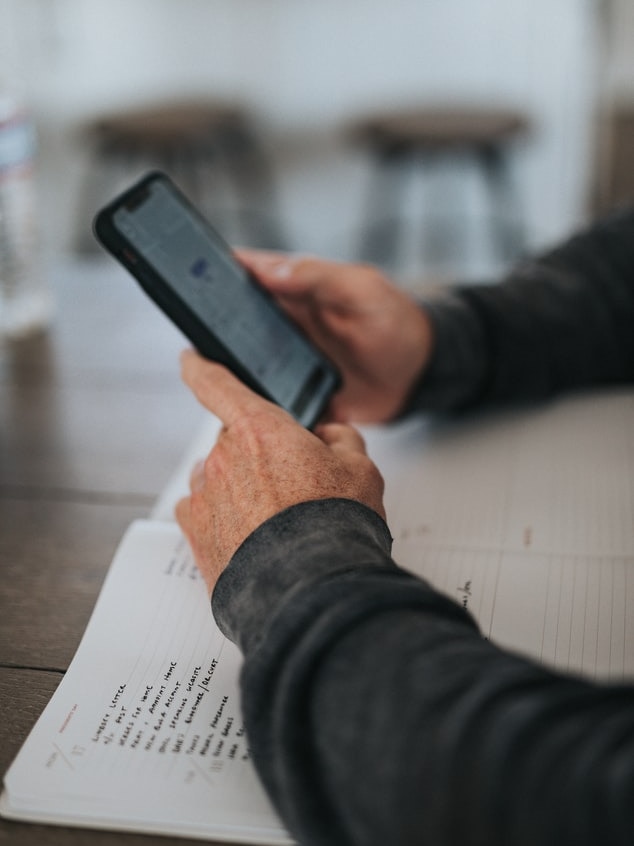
{"type": "Point", "coordinates": [192, 275]}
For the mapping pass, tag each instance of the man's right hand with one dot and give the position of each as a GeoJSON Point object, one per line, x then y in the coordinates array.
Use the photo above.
{"type": "Point", "coordinates": [263, 462]}
{"type": "Point", "coordinates": [377, 336]}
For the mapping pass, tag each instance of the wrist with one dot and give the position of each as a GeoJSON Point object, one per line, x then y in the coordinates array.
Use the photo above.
{"type": "Point", "coordinates": [299, 546]}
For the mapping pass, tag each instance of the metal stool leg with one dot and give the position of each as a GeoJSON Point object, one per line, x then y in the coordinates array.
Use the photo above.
{"type": "Point", "coordinates": [250, 173]}
{"type": "Point", "coordinates": [381, 232]}
{"type": "Point", "coordinates": [507, 219]}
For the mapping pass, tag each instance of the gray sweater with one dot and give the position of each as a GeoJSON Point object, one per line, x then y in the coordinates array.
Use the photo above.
{"type": "Point", "coordinates": [376, 712]}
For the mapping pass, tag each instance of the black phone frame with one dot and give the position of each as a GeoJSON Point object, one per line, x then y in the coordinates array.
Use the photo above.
{"type": "Point", "coordinates": [166, 297]}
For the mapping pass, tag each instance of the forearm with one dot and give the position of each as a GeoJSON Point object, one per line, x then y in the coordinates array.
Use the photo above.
{"type": "Point", "coordinates": [377, 713]}
{"type": "Point", "coordinates": [564, 320]}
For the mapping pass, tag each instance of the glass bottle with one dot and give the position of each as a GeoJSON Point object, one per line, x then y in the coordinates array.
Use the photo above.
{"type": "Point", "coordinates": [25, 302]}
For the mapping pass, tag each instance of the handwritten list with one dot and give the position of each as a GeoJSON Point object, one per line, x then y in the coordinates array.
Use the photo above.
{"type": "Point", "coordinates": [145, 730]}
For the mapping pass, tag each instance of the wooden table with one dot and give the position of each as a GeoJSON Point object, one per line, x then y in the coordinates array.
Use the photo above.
{"type": "Point", "coordinates": [93, 420]}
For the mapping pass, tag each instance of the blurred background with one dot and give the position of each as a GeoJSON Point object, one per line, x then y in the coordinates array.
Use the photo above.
{"type": "Point", "coordinates": [442, 137]}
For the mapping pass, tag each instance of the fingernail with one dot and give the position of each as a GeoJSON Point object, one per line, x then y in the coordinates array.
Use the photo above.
{"type": "Point", "coordinates": [282, 270]}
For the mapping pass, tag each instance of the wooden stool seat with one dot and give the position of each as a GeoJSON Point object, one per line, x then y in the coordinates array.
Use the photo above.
{"type": "Point", "coordinates": [422, 137]}
{"type": "Point", "coordinates": [441, 128]}
{"type": "Point", "coordinates": [197, 142]}
{"type": "Point", "coordinates": [173, 123]}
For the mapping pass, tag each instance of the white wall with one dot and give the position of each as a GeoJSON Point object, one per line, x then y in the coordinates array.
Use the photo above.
{"type": "Point", "coordinates": [305, 68]}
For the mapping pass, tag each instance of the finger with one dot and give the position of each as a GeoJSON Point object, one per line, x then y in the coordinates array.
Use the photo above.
{"type": "Point", "coordinates": [254, 259]}
{"type": "Point", "coordinates": [340, 436]}
{"type": "Point", "coordinates": [197, 477]}
{"type": "Point", "coordinates": [270, 267]}
{"type": "Point", "coordinates": [182, 511]}
{"type": "Point", "coordinates": [218, 390]}
{"type": "Point", "coordinates": [294, 274]}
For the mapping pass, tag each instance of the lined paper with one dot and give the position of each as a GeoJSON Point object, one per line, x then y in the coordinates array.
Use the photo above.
{"type": "Point", "coordinates": [528, 520]}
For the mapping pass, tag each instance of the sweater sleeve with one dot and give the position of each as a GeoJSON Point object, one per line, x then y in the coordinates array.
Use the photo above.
{"type": "Point", "coordinates": [377, 713]}
{"type": "Point", "coordinates": [562, 321]}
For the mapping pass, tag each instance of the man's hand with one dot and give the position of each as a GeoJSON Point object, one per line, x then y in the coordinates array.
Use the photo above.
{"type": "Point", "coordinates": [377, 336]}
{"type": "Point", "coordinates": [262, 463]}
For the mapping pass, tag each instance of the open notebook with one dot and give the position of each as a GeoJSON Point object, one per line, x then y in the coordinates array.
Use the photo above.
{"type": "Point", "coordinates": [526, 518]}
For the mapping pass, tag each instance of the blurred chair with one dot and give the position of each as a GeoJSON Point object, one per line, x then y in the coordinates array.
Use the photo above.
{"type": "Point", "coordinates": [202, 145]}
{"type": "Point", "coordinates": [404, 142]}
{"type": "Point", "coordinates": [614, 180]}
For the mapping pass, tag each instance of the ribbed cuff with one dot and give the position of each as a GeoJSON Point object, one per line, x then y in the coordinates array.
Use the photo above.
{"type": "Point", "coordinates": [457, 369]}
{"type": "Point", "coordinates": [300, 545]}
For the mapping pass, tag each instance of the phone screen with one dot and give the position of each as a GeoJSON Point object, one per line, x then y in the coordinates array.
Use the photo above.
{"type": "Point", "coordinates": [201, 269]}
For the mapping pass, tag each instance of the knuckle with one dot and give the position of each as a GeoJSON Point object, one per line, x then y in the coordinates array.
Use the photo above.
{"type": "Point", "coordinates": [373, 276]}
{"type": "Point", "coordinates": [215, 465]}
{"type": "Point", "coordinates": [260, 432]}
{"type": "Point", "coordinates": [371, 474]}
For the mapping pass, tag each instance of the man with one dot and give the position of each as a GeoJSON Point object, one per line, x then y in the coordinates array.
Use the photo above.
{"type": "Point", "coordinates": [376, 712]}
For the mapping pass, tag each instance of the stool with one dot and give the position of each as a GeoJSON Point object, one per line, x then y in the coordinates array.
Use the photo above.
{"type": "Point", "coordinates": [425, 137]}
{"type": "Point", "coordinates": [193, 141]}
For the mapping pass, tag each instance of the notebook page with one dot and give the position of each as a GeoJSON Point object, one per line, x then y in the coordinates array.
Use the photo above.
{"type": "Point", "coordinates": [527, 519]}
{"type": "Point", "coordinates": [178, 484]}
{"type": "Point", "coordinates": [145, 729]}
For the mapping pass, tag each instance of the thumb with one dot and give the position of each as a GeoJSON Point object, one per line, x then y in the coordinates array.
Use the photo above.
{"type": "Point", "coordinates": [339, 436]}
{"type": "Point", "coordinates": [276, 270]}
{"type": "Point", "coordinates": [294, 275]}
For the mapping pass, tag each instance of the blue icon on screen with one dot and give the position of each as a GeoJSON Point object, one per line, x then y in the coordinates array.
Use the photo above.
{"type": "Point", "coordinates": [199, 268]}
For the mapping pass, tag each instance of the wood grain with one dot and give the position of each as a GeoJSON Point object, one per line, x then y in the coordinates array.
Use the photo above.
{"type": "Point", "coordinates": [54, 558]}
